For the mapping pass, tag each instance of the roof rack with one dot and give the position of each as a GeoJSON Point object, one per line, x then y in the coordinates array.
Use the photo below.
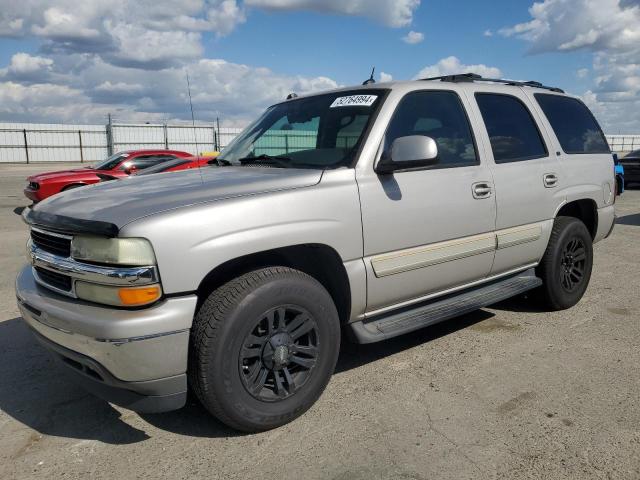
{"type": "Point", "coordinates": [474, 77]}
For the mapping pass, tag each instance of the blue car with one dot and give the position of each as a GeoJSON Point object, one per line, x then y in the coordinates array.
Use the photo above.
{"type": "Point", "coordinates": [619, 169]}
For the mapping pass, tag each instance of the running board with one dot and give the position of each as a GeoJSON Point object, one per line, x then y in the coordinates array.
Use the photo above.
{"type": "Point", "coordinates": [407, 320]}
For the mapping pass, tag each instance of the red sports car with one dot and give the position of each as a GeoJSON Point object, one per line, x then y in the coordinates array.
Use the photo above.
{"type": "Point", "coordinates": [118, 165]}
{"type": "Point", "coordinates": [175, 165]}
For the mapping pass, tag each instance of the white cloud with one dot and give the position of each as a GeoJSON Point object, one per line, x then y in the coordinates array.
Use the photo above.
{"type": "Point", "coordinates": [156, 33]}
{"type": "Point", "coordinates": [413, 37]}
{"type": "Point", "coordinates": [23, 63]}
{"type": "Point", "coordinates": [393, 13]}
{"type": "Point", "coordinates": [27, 68]}
{"type": "Point", "coordinates": [130, 58]}
{"type": "Point", "coordinates": [452, 65]}
{"type": "Point", "coordinates": [385, 77]}
{"type": "Point", "coordinates": [234, 92]}
{"type": "Point", "coordinates": [224, 17]}
{"type": "Point", "coordinates": [137, 46]}
{"type": "Point", "coordinates": [610, 30]}
{"type": "Point", "coordinates": [488, 33]}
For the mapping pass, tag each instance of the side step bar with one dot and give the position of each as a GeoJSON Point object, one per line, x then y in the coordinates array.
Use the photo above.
{"type": "Point", "coordinates": [407, 320]}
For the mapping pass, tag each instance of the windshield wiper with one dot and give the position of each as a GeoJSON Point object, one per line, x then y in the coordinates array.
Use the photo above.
{"type": "Point", "coordinates": [267, 160]}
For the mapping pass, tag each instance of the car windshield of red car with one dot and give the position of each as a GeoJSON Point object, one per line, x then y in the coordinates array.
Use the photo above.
{"type": "Point", "coordinates": [111, 162]}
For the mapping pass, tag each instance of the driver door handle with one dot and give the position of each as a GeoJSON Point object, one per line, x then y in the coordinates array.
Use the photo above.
{"type": "Point", "coordinates": [481, 190]}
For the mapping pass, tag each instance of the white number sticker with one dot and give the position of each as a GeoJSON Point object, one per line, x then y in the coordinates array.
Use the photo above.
{"type": "Point", "coordinates": [354, 101]}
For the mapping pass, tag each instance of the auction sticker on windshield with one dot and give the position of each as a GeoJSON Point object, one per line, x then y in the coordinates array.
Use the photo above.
{"type": "Point", "coordinates": [354, 101]}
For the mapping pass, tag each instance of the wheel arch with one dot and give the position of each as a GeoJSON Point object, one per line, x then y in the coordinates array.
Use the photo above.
{"type": "Point", "coordinates": [320, 261]}
{"type": "Point", "coordinates": [585, 210]}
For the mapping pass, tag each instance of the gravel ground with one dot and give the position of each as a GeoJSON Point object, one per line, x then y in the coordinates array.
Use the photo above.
{"type": "Point", "coordinates": [507, 392]}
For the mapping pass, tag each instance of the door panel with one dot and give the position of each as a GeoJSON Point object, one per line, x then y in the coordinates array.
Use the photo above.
{"type": "Point", "coordinates": [524, 195]}
{"type": "Point", "coordinates": [421, 233]}
{"type": "Point", "coordinates": [424, 230]}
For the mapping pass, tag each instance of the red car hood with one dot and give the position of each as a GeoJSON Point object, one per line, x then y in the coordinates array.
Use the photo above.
{"type": "Point", "coordinates": [66, 174]}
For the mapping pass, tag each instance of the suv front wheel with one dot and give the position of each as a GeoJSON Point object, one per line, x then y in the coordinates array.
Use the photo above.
{"type": "Point", "coordinates": [565, 268]}
{"type": "Point", "coordinates": [263, 348]}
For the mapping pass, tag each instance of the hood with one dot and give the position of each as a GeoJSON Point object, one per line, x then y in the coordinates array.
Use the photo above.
{"type": "Point", "coordinates": [111, 205]}
{"type": "Point", "coordinates": [42, 177]}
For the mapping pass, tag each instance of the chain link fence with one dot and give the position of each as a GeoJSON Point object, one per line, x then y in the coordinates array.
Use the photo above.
{"type": "Point", "coordinates": [36, 143]}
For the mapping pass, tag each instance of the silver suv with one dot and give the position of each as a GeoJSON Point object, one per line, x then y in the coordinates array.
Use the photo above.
{"type": "Point", "coordinates": [371, 211]}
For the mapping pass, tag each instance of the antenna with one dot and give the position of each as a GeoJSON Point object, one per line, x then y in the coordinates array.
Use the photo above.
{"type": "Point", "coordinates": [193, 118]}
{"type": "Point", "coordinates": [193, 122]}
{"type": "Point", "coordinates": [370, 80]}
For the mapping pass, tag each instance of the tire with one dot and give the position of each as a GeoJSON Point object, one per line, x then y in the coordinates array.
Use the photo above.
{"type": "Point", "coordinates": [566, 266]}
{"type": "Point", "coordinates": [238, 335]}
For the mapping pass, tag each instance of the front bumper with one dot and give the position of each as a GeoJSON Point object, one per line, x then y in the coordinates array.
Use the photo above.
{"type": "Point", "coordinates": [133, 358]}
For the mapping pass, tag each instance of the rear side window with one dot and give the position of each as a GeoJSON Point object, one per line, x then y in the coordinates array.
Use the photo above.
{"type": "Point", "coordinates": [575, 126]}
{"type": "Point", "coordinates": [513, 133]}
{"type": "Point", "coordinates": [146, 161]}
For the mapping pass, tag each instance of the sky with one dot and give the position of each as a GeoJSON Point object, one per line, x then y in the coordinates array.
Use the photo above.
{"type": "Point", "coordinates": [76, 62]}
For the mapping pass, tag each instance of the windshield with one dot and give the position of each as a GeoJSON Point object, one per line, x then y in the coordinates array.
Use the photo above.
{"type": "Point", "coordinates": [322, 131]}
{"type": "Point", "coordinates": [111, 162]}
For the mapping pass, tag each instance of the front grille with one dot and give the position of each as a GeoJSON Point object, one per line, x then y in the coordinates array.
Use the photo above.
{"type": "Point", "coordinates": [56, 280]}
{"type": "Point", "coordinates": [51, 243]}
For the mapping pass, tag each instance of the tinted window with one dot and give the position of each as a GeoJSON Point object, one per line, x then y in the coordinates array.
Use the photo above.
{"type": "Point", "coordinates": [512, 131]}
{"type": "Point", "coordinates": [111, 162]}
{"type": "Point", "coordinates": [441, 116]}
{"type": "Point", "coordinates": [146, 161]}
{"type": "Point", "coordinates": [575, 127]}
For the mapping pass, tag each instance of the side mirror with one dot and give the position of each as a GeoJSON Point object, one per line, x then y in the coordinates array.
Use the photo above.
{"type": "Point", "coordinates": [414, 151]}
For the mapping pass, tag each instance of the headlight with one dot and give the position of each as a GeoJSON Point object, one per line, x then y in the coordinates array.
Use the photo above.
{"type": "Point", "coordinates": [117, 251]}
{"type": "Point", "coordinates": [118, 296]}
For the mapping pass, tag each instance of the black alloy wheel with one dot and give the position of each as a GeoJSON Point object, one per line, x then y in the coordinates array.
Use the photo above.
{"type": "Point", "coordinates": [279, 354]}
{"type": "Point", "coordinates": [573, 262]}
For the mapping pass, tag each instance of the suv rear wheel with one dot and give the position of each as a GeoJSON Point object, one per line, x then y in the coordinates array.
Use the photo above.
{"type": "Point", "coordinates": [565, 268]}
{"type": "Point", "coordinates": [263, 348]}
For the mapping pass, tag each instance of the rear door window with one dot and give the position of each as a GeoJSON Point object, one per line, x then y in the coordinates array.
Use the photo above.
{"type": "Point", "coordinates": [512, 131]}
{"type": "Point", "coordinates": [576, 128]}
{"type": "Point", "coordinates": [145, 161]}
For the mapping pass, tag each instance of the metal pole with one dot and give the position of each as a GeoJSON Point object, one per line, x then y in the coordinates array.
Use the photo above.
{"type": "Point", "coordinates": [166, 137]}
{"type": "Point", "coordinates": [80, 140]}
{"type": "Point", "coordinates": [26, 145]}
{"type": "Point", "coordinates": [109, 136]}
{"type": "Point", "coordinates": [218, 128]}
{"type": "Point", "coordinates": [215, 139]}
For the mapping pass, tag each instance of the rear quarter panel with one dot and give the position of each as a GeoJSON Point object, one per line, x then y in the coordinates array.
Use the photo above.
{"type": "Point", "coordinates": [584, 176]}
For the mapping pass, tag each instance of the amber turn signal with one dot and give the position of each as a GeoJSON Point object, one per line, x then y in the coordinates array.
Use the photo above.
{"type": "Point", "coordinates": [132, 297]}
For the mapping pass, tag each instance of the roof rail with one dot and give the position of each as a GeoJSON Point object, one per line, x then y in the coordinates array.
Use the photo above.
{"type": "Point", "coordinates": [474, 77]}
